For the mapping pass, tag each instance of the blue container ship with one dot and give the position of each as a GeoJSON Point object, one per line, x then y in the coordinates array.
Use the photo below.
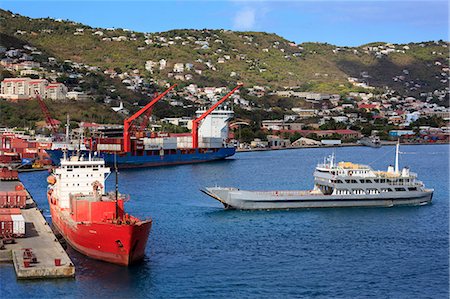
{"type": "Point", "coordinates": [206, 142]}
{"type": "Point", "coordinates": [153, 158]}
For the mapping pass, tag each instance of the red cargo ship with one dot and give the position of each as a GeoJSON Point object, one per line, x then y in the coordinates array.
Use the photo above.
{"type": "Point", "coordinates": [92, 222]}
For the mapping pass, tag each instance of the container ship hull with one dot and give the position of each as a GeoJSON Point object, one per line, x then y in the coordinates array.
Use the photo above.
{"type": "Point", "coordinates": [115, 243]}
{"type": "Point", "coordinates": [156, 157]}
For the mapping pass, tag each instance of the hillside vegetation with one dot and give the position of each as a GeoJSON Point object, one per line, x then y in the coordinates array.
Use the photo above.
{"type": "Point", "coordinates": [257, 58]}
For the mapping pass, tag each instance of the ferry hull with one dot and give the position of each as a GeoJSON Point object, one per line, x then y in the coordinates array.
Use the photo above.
{"type": "Point", "coordinates": [129, 160]}
{"type": "Point", "coordinates": [119, 244]}
{"type": "Point", "coordinates": [233, 198]}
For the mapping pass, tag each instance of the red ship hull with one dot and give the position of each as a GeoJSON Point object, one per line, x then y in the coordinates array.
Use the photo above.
{"type": "Point", "coordinates": [122, 244]}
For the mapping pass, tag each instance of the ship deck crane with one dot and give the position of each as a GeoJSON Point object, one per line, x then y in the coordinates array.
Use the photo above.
{"type": "Point", "coordinates": [196, 122]}
{"type": "Point", "coordinates": [48, 119]}
{"type": "Point", "coordinates": [127, 123]}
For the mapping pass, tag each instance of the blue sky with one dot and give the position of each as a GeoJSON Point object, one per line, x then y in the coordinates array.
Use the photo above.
{"type": "Point", "coordinates": [343, 23]}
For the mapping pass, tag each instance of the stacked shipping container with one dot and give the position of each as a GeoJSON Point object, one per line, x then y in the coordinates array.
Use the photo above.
{"type": "Point", "coordinates": [12, 223]}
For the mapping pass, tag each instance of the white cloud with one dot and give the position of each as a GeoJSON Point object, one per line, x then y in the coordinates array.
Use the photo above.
{"type": "Point", "coordinates": [244, 19]}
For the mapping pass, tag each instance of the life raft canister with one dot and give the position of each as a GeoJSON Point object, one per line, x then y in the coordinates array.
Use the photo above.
{"type": "Point", "coordinates": [51, 180]}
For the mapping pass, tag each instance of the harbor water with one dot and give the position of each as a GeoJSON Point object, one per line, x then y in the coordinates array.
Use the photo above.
{"type": "Point", "coordinates": [197, 249]}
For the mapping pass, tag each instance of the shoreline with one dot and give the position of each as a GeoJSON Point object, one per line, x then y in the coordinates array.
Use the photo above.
{"type": "Point", "coordinates": [384, 143]}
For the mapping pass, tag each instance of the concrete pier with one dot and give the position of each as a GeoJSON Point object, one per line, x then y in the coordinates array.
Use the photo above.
{"type": "Point", "coordinates": [40, 239]}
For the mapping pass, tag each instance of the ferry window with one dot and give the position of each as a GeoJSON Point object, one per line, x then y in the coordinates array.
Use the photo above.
{"type": "Point", "coordinates": [347, 181]}
{"type": "Point", "coordinates": [412, 189]}
{"type": "Point", "coordinates": [377, 180]}
{"type": "Point", "coordinates": [400, 189]}
{"type": "Point", "coordinates": [369, 181]}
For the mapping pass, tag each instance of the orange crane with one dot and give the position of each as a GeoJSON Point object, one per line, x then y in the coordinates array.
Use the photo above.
{"type": "Point", "coordinates": [48, 119]}
{"type": "Point", "coordinates": [196, 122]}
{"type": "Point", "coordinates": [128, 123]}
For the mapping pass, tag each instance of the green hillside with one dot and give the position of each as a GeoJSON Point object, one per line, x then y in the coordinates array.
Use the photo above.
{"type": "Point", "coordinates": [257, 58]}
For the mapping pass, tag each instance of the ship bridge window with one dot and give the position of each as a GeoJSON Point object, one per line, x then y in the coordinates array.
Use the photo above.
{"type": "Point", "coordinates": [367, 181]}
{"type": "Point", "coordinates": [373, 191]}
{"type": "Point", "coordinates": [358, 191]}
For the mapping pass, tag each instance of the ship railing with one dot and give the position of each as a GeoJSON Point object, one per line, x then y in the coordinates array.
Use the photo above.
{"type": "Point", "coordinates": [287, 193]}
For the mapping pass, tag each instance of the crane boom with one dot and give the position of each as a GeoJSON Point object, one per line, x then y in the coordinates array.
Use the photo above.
{"type": "Point", "coordinates": [48, 119]}
{"type": "Point", "coordinates": [195, 122]}
{"type": "Point", "coordinates": [147, 115]}
{"type": "Point", "coordinates": [128, 122]}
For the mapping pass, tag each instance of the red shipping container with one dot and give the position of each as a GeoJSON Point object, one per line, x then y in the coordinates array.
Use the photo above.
{"type": "Point", "coordinates": [3, 199]}
{"type": "Point", "coordinates": [21, 199]}
{"type": "Point", "coordinates": [13, 211]}
{"type": "Point", "coordinates": [12, 198]}
{"type": "Point", "coordinates": [6, 225]}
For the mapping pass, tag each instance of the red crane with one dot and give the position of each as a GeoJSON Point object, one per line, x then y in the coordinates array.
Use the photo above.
{"type": "Point", "coordinates": [127, 123]}
{"type": "Point", "coordinates": [48, 119]}
{"type": "Point", "coordinates": [196, 122]}
{"type": "Point", "coordinates": [147, 115]}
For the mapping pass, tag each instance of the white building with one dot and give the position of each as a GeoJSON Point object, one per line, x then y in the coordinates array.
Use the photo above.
{"type": "Point", "coordinates": [215, 125]}
{"type": "Point", "coordinates": [149, 65]}
{"type": "Point", "coordinates": [178, 68]}
{"type": "Point", "coordinates": [56, 91]}
{"type": "Point", "coordinates": [77, 96]}
{"type": "Point", "coordinates": [162, 64]}
{"type": "Point", "coordinates": [22, 88]}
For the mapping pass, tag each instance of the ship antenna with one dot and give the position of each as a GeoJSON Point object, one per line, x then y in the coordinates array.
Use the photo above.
{"type": "Point", "coordinates": [67, 129]}
{"type": "Point", "coordinates": [117, 185]}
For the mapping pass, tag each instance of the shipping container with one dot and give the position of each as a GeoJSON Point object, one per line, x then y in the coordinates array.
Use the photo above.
{"type": "Point", "coordinates": [12, 211]}
{"type": "Point", "coordinates": [6, 226]}
{"type": "Point", "coordinates": [18, 225]}
{"type": "Point", "coordinates": [112, 147]}
{"type": "Point", "coordinates": [3, 199]}
{"type": "Point", "coordinates": [8, 174]}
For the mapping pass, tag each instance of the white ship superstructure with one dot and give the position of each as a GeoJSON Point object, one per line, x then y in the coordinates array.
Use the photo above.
{"type": "Point", "coordinates": [76, 175]}
{"type": "Point", "coordinates": [215, 125]}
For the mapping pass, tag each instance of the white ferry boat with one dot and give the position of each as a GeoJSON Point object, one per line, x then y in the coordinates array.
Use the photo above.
{"type": "Point", "coordinates": [342, 184]}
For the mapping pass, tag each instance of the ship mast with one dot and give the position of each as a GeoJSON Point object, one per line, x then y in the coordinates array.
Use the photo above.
{"type": "Point", "coordinates": [67, 129]}
{"type": "Point", "coordinates": [397, 146]}
{"type": "Point", "coordinates": [117, 186]}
